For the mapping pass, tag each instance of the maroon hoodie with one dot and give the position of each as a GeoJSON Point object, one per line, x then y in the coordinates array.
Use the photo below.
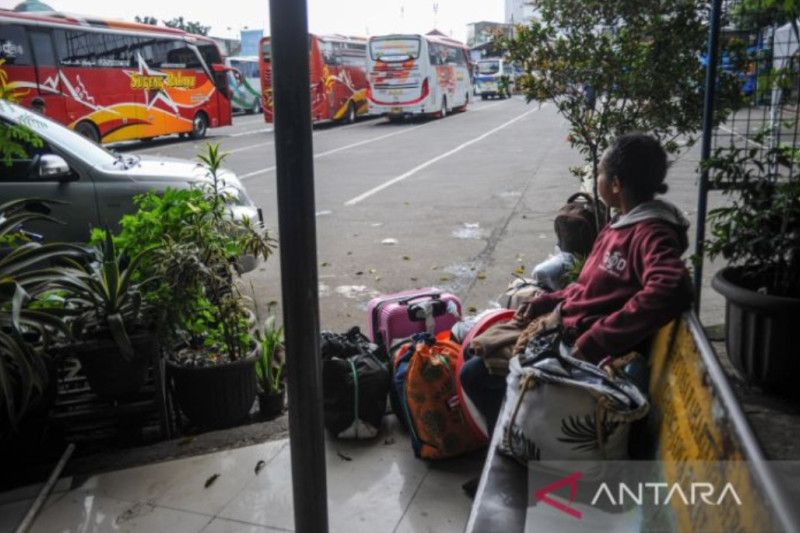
{"type": "Point", "coordinates": [633, 282]}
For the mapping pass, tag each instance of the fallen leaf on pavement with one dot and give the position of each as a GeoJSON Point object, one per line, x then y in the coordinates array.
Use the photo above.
{"type": "Point", "coordinates": [259, 466]}
{"type": "Point", "coordinates": [472, 309]}
{"type": "Point", "coordinates": [344, 457]}
{"type": "Point", "coordinates": [481, 275]}
{"type": "Point", "coordinates": [210, 481]}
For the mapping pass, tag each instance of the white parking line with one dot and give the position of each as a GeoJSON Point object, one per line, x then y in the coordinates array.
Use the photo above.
{"type": "Point", "coordinates": [251, 132]}
{"type": "Point", "coordinates": [489, 106]}
{"type": "Point", "coordinates": [747, 139]}
{"type": "Point", "coordinates": [337, 150]}
{"type": "Point", "coordinates": [426, 164]}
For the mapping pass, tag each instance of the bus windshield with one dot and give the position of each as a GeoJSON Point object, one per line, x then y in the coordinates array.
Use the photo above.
{"type": "Point", "coordinates": [491, 66]}
{"type": "Point", "coordinates": [399, 49]}
{"type": "Point", "coordinates": [248, 68]}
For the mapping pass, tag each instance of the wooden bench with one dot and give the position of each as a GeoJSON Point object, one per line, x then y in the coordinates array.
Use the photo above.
{"type": "Point", "coordinates": [694, 417]}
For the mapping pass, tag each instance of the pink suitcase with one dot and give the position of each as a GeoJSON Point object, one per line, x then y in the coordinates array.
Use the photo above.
{"type": "Point", "coordinates": [400, 315]}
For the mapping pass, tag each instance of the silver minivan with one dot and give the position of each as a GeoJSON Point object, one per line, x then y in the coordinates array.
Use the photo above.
{"type": "Point", "coordinates": [96, 185]}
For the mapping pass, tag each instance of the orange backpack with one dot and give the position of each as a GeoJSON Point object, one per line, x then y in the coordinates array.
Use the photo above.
{"type": "Point", "coordinates": [426, 384]}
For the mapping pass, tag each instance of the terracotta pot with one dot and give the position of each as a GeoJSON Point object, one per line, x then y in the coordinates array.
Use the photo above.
{"type": "Point", "coordinates": [759, 333]}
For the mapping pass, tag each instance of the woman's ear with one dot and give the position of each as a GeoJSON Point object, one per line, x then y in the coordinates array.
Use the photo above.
{"type": "Point", "coordinates": [616, 185]}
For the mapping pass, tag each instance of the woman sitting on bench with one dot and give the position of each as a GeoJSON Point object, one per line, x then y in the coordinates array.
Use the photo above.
{"type": "Point", "coordinates": [633, 282]}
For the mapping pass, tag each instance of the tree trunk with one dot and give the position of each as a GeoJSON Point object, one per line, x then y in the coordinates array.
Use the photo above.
{"type": "Point", "coordinates": [595, 196]}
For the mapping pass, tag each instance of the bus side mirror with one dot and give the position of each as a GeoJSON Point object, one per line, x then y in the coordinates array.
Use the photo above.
{"type": "Point", "coordinates": [238, 76]}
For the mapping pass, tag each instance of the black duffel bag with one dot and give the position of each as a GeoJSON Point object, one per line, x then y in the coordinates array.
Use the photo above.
{"type": "Point", "coordinates": [355, 384]}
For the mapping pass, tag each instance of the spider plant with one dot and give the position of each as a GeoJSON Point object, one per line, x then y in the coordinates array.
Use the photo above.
{"type": "Point", "coordinates": [23, 372]}
{"type": "Point", "coordinates": [269, 366]}
{"type": "Point", "coordinates": [106, 297]}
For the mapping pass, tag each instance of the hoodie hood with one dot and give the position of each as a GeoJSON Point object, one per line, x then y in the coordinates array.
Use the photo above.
{"type": "Point", "coordinates": [656, 210]}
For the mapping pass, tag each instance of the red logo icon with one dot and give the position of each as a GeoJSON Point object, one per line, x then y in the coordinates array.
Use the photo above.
{"type": "Point", "coordinates": [571, 480]}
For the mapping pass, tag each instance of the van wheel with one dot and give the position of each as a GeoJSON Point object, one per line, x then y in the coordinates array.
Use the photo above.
{"type": "Point", "coordinates": [443, 111]}
{"type": "Point", "coordinates": [199, 126]}
{"type": "Point", "coordinates": [88, 130]}
{"type": "Point", "coordinates": [484, 97]}
{"type": "Point", "coordinates": [350, 116]}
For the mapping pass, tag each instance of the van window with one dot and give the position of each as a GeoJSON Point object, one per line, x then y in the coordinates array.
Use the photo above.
{"type": "Point", "coordinates": [13, 45]}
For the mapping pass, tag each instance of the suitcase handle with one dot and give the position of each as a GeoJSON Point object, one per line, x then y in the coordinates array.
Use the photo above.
{"type": "Point", "coordinates": [432, 296]}
{"type": "Point", "coordinates": [416, 313]}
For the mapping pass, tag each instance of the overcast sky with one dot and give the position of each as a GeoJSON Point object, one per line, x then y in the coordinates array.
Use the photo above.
{"type": "Point", "coordinates": [354, 17]}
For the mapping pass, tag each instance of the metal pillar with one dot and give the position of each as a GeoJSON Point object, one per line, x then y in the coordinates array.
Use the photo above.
{"type": "Point", "coordinates": [708, 127]}
{"type": "Point", "coordinates": [298, 250]}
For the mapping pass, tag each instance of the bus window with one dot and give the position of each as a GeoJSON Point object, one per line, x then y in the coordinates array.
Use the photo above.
{"type": "Point", "coordinates": [266, 51]}
{"type": "Point", "coordinates": [453, 55]}
{"type": "Point", "coordinates": [488, 66]}
{"type": "Point", "coordinates": [42, 49]}
{"type": "Point", "coordinates": [329, 56]}
{"type": "Point", "coordinates": [210, 53]}
{"type": "Point", "coordinates": [393, 50]}
{"type": "Point", "coordinates": [181, 56]}
{"type": "Point", "coordinates": [91, 49]}
{"type": "Point", "coordinates": [13, 46]}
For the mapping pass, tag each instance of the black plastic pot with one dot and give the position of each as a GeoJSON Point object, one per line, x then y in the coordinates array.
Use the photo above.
{"type": "Point", "coordinates": [110, 376]}
{"type": "Point", "coordinates": [761, 336]}
{"type": "Point", "coordinates": [215, 396]}
{"type": "Point", "coordinates": [270, 405]}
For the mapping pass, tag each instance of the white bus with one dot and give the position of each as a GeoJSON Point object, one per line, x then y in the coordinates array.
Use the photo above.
{"type": "Point", "coordinates": [417, 75]}
{"type": "Point", "coordinates": [246, 90]}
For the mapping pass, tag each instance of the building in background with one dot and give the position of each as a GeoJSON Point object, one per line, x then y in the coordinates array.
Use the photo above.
{"type": "Point", "coordinates": [32, 6]}
{"type": "Point", "coordinates": [250, 40]}
{"type": "Point", "coordinates": [481, 36]}
{"type": "Point", "coordinates": [519, 11]}
{"type": "Point", "coordinates": [228, 47]}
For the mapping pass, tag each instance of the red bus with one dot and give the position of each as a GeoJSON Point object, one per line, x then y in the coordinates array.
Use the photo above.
{"type": "Point", "coordinates": [338, 70]}
{"type": "Point", "coordinates": [111, 80]}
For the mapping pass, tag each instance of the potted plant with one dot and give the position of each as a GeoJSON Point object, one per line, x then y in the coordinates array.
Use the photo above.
{"type": "Point", "coordinates": [758, 233]}
{"type": "Point", "coordinates": [212, 366]}
{"type": "Point", "coordinates": [26, 332]}
{"type": "Point", "coordinates": [270, 369]}
{"type": "Point", "coordinates": [112, 330]}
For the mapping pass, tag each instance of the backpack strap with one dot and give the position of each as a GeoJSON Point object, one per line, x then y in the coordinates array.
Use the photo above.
{"type": "Point", "coordinates": [583, 195]}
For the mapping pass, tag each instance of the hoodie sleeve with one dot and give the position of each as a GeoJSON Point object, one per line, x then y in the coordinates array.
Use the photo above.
{"type": "Point", "coordinates": [666, 292]}
{"type": "Point", "coordinates": [548, 301]}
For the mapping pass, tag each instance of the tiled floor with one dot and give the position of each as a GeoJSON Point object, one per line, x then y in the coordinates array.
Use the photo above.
{"type": "Point", "coordinates": [375, 486]}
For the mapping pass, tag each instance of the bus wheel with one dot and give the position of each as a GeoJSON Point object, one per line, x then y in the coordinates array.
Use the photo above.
{"type": "Point", "coordinates": [256, 108]}
{"type": "Point", "coordinates": [88, 130]}
{"type": "Point", "coordinates": [443, 112]}
{"type": "Point", "coordinates": [199, 126]}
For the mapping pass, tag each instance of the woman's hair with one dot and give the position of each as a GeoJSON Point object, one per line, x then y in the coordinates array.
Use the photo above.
{"type": "Point", "coordinates": [639, 162]}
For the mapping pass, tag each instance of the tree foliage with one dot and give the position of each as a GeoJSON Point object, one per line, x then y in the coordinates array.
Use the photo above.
{"type": "Point", "coordinates": [187, 26]}
{"type": "Point", "coordinates": [179, 23]}
{"type": "Point", "coordinates": [15, 139]}
{"type": "Point", "coordinates": [146, 20]}
{"type": "Point", "coordinates": [614, 66]}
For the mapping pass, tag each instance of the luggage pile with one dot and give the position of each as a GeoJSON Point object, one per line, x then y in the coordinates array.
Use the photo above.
{"type": "Point", "coordinates": [418, 341]}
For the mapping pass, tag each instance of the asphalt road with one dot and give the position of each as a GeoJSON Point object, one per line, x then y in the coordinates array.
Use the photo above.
{"type": "Point", "coordinates": [461, 203]}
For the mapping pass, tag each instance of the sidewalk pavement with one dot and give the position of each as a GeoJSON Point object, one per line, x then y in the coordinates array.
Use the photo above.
{"type": "Point", "coordinates": [373, 486]}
